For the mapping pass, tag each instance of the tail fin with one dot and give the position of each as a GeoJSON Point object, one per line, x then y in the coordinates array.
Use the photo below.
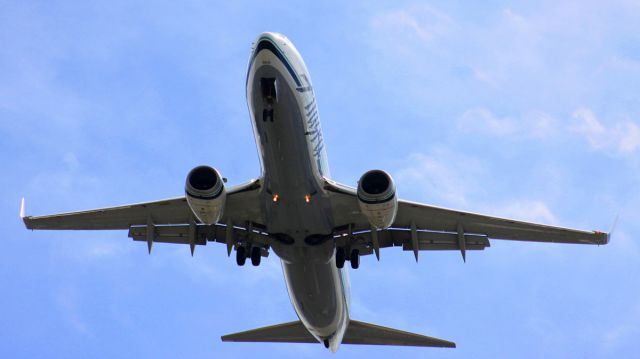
{"type": "Point", "coordinates": [357, 333]}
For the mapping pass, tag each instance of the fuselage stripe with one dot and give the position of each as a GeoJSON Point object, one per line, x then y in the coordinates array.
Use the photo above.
{"type": "Point", "coordinates": [311, 110]}
{"type": "Point", "coordinates": [266, 44]}
{"type": "Point", "coordinates": [313, 101]}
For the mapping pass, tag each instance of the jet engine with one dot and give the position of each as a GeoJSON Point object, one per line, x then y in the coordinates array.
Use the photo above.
{"type": "Point", "coordinates": [205, 194]}
{"type": "Point", "coordinates": [377, 198]}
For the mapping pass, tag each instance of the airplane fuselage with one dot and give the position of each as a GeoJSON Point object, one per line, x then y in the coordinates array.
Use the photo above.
{"type": "Point", "coordinates": [294, 164]}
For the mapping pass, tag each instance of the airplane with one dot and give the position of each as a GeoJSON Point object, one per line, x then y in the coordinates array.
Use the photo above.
{"type": "Point", "coordinates": [312, 223]}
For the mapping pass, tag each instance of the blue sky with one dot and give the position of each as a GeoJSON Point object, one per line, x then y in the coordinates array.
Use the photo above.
{"type": "Point", "coordinates": [526, 110]}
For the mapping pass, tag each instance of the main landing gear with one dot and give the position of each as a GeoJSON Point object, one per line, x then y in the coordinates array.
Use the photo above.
{"type": "Point", "coordinates": [242, 254]}
{"type": "Point", "coordinates": [341, 257]}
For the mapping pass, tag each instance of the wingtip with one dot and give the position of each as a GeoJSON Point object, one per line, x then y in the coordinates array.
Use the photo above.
{"type": "Point", "coordinates": [23, 217]}
{"type": "Point", "coordinates": [22, 208]}
{"type": "Point", "coordinates": [606, 237]}
{"type": "Point", "coordinates": [613, 227]}
{"type": "Point", "coordinates": [602, 238]}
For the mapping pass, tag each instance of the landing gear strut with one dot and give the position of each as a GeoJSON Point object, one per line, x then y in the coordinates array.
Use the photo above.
{"type": "Point", "coordinates": [355, 259]}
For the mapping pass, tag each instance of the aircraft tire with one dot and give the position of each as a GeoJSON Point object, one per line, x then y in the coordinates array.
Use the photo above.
{"type": "Point", "coordinates": [256, 255]}
{"type": "Point", "coordinates": [340, 257]}
{"type": "Point", "coordinates": [241, 255]}
{"type": "Point", "coordinates": [355, 259]}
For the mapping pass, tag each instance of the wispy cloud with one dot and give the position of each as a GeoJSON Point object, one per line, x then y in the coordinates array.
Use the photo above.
{"type": "Point", "coordinates": [459, 180]}
{"type": "Point", "coordinates": [622, 137]}
{"type": "Point", "coordinates": [67, 299]}
{"type": "Point", "coordinates": [422, 21]}
{"type": "Point", "coordinates": [442, 175]}
{"type": "Point", "coordinates": [533, 123]}
{"type": "Point", "coordinates": [482, 119]}
{"type": "Point", "coordinates": [621, 331]}
{"type": "Point", "coordinates": [418, 25]}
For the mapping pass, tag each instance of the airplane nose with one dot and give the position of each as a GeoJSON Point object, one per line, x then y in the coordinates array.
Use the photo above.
{"type": "Point", "coordinates": [269, 40]}
{"type": "Point", "coordinates": [269, 36]}
{"type": "Point", "coordinates": [273, 36]}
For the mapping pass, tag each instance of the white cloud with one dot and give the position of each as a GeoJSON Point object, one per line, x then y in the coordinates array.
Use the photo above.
{"type": "Point", "coordinates": [269, 270]}
{"type": "Point", "coordinates": [442, 175]}
{"type": "Point", "coordinates": [481, 119]}
{"type": "Point", "coordinates": [622, 137]}
{"type": "Point", "coordinates": [590, 127]}
{"type": "Point", "coordinates": [417, 24]}
{"type": "Point", "coordinates": [628, 134]}
{"type": "Point", "coordinates": [622, 330]}
{"type": "Point", "coordinates": [533, 123]}
{"type": "Point", "coordinates": [68, 300]}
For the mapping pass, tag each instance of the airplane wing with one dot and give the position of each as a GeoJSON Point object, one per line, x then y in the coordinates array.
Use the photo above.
{"type": "Point", "coordinates": [423, 227]}
{"type": "Point", "coordinates": [170, 218]}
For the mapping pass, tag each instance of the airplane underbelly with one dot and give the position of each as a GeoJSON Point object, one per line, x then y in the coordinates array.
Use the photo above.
{"type": "Point", "coordinates": [297, 210]}
{"type": "Point", "coordinates": [317, 295]}
{"type": "Point", "coordinates": [294, 203]}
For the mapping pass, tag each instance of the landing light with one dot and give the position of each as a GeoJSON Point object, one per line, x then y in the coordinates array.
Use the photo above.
{"type": "Point", "coordinates": [275, 198]}
{"type": "Point", "coordinates": [307, 198]}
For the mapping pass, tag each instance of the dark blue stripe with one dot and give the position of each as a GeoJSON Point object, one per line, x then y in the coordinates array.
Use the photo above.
{"type": "Point", "coordinates": [313, 100]}
{"type": "Point", "coordinates": [312, 109]}
{"type": "Point", "coordinates": [268, 45]}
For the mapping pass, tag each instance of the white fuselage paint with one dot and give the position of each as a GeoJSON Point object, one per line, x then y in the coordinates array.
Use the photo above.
{"type": "Point", "coordinates": [294, 165]}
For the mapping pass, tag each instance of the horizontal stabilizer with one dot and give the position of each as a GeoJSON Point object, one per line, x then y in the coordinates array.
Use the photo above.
{"type": "Point", "coordinates": [365, 333]}
{"type": "Point", "coordinates": [357, 333]}
{"type": "Point", "coordinates": [292, 332]}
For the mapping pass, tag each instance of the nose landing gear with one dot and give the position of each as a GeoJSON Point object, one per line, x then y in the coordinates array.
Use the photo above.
{"type": "Point", "coordinates": [269, 96]}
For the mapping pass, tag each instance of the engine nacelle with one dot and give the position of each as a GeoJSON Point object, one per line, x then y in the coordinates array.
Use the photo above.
{"type": "Point", "coordinates": [377, 198]}
{"type": "Point", "coordinates": [205, 194]}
